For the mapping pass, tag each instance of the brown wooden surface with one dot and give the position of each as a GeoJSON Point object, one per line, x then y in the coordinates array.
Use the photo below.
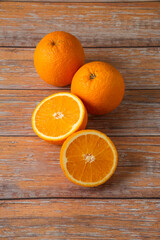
{"type": "Point", "coordinates": [30, 168]}
{"type": "Point", "coordinates": [96, 25]}
{"type": "Point", "coordinates": [138, 114]}
{"type": "Point", "coordinates": [80, 219]}
{"type": "Point", "coordinates": [140, 67]}
{"type": "Point", "coordinates": [82, 1]}
{"type": "Point", "coordinates": [36, 199]}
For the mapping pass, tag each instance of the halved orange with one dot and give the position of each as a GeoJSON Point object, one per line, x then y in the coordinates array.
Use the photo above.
{"type": "Point", "coordinates": [88, 158]}
{"type": "Point", "coordinates": [58, 116]}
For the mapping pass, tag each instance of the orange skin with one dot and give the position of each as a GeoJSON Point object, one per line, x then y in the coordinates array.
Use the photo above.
{"type": "Point", "coordinates": [57, 57]}
{"type": "Point", "coordinates": [100, 86]}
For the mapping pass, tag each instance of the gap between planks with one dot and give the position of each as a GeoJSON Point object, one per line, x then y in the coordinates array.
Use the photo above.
{"type": "Point", "coordinates": [81, 198]}
{"type": "Point", "coordinates": [124, 136]}
{"type": "Point", "coordinates": [66, 89]}
{"type": "Point", "coordinates": [119, 47]}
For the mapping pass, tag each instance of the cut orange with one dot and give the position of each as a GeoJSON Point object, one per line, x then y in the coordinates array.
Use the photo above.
{"type": "Point", "coordinates": [58, 116]}
{"type": "Point", "coordinates": [88, 158]}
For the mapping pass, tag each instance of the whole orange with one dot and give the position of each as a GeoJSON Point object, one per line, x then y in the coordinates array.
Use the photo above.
{"type": "Point", "coordinates": [57, 57]}
{"type": "Point", "coordinates": [100, 86]}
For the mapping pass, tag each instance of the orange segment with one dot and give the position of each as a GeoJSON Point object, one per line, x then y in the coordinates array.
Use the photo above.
{"type": "Point", "coordinates": [88, 158]}
{"type": "Point", "coordinates": [58, 116]}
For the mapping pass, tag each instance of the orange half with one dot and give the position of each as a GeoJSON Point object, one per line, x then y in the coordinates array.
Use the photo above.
{"type": "Point", "coordinates": [88, 158]}
{"type": "Point", "coordinates": [58, 116]}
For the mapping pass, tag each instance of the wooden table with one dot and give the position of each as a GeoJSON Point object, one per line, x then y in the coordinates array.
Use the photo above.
{"type": "Point", "coordinates": [37, 201]}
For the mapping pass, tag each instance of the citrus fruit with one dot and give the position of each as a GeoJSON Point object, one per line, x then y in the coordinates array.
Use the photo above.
{"type": "Point", "coordinates": [88, 158]}
{"type": "Point", "coordinates": [57, 57]}
{"type": "Point", "coordinates": [58, 116]}
{"type": "Point", "coordinates": [100, 86]}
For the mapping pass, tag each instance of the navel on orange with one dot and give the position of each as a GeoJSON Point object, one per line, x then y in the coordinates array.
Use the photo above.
{"type": "Point", "coordinates": [58, 116]}
{"type": "Point", "coordinates": [88, 158]}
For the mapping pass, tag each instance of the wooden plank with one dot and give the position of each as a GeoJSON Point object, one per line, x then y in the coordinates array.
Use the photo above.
{"type": "Point", "coordinates": [30, 169]}
{"type": "Point", "coordinates": [138, 114]}
{"type": "Point", "coordinates": [80, 219]}
{"type": "Point", "coordinates": [96, 25]}
{"type": "Point", "coordinates": [81, 1]}
{"type": "Point", "coordinates": [140, 67]}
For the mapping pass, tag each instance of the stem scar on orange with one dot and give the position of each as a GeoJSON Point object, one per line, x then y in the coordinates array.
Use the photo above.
{"type": "Point", "coordinates": [88, 158]}
{"type": "Point", "coordinates": [100, 86]}
{"type": "Point", "coordinates": [57, 57]}
{"type": "Point", "coordinates": [58, 116]}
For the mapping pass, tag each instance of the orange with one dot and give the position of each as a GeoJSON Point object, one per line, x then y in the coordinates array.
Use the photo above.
{"type": "Point", "coordinates": [58, 116]}
{"type": "Point", "coordinates": [88, 158]}
{"type": "Point", "coordinates": [100, 86]}
{"type": "Point", "coordinates": [57, 57]}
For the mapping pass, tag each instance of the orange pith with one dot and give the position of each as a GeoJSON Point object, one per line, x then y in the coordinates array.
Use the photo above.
{"type": "Point", "coordinates": [58, 116]}
{"type": "Point", "coordinates": [88, 158]}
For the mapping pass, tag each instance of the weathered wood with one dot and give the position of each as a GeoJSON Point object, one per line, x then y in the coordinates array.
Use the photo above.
{"type": "Point", "coordinates": [80, 219]}
{"type": "Point", "coordinates": [138, 114]}
{"type": "Point", "coordinates": [96, 25]}
{"type": "Point", "coordinates": [75, 1]}
{"type": "Point", "coordinates": [140, 67]}
{"type": "Point", "coordinates": [30, 169]}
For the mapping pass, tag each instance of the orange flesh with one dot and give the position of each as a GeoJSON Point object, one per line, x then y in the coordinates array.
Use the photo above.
{"type": "Point", "coordinates": [89, 158]}
{"type": "Point", "coordinates": [57, 116]}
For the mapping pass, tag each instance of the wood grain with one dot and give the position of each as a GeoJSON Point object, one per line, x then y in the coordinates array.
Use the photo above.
{"type": "Point", "coordinates": [29, 168]}
{"type": "Point", "coordinates": [80, 219]}
{"type": "Point", "coordinates": [138, 114]}
{"type": "Point", "coordinates": [96, 25]}
{"type": "Point", "coordinates": [140, 67]}
{"type": "Point", "coordinates": [82, 1]}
